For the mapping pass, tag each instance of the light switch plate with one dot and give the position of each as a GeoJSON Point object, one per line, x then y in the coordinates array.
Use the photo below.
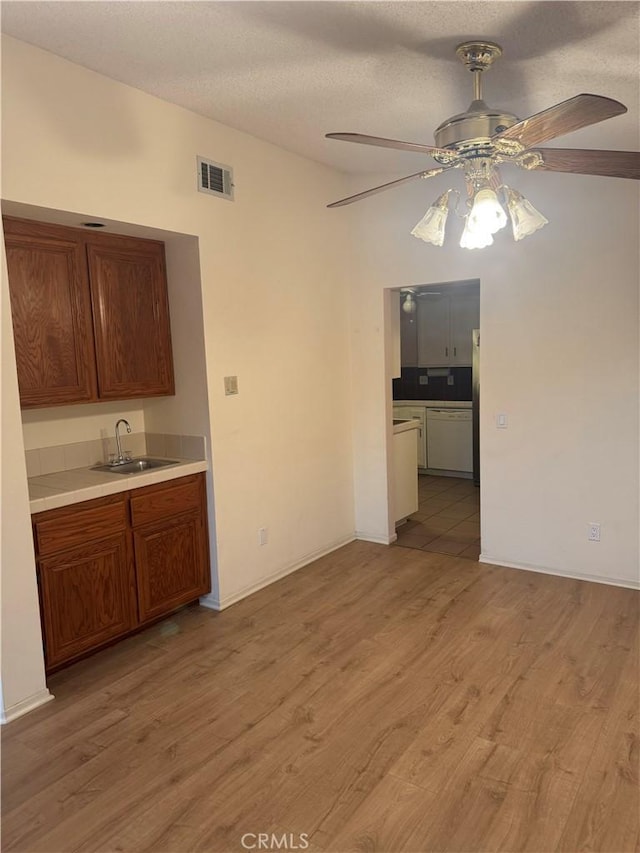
{"type": "Point", "coordinates": [502, 421]}
{"type": "Point", "coordinates": [230, 385]}
{"type": "Point", "coordinates": [449, 380]}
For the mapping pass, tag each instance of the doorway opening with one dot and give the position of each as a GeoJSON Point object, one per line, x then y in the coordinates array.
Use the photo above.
{"type": "Point", "coordinates": [435, 385]}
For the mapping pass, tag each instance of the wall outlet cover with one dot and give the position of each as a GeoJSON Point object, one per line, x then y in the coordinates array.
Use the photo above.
{"type": "Point", "coordinates": [230, 385]}
{"type": "Point", "coordinates": [423, 380]}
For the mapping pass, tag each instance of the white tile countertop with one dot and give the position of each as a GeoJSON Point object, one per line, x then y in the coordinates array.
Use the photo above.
{"type": "Point", "coordinates": [436, 404]}
{"type": "Point", "coordinates": [400, 425]}
{"type": "Point", "coordinates": [62, 488]}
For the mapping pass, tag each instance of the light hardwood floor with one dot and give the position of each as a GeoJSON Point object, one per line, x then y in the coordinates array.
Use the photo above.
{"type": "Point", "coordinates": [380, 699]}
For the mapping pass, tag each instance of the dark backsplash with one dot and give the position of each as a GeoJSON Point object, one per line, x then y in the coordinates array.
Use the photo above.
{"type": "Point", "coordinates": [408, 387]}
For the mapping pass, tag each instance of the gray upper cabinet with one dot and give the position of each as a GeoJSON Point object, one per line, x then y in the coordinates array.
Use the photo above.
{"type": "Point", "coordinates": [433, 331]}
{"type": "Point", "coordinates": [441, 332]}
{"type": "Point", "coordinates": [408, 339]}
{"type": "Point", "coordinates": [464, 317]}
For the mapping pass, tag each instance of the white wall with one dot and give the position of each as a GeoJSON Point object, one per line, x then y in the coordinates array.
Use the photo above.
{"type": "Point", "coordinates": [275, 273]}
{"type": "Point", "coordinates": [559, 355]}
{"type": "Point", "coordinates": [23, 684]}
{"type": "Point", "coordinates": [66, 424]}
{"type": "Point", "coordinates": [187, 411]}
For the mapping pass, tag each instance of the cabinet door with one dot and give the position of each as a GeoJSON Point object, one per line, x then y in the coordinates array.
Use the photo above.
{"type": "Point", "coordinates": [464, 318]}
{"type": "Point", "coordinates": [433, 331]}
{"type": "Point", "coordinates": [131, 317]}
{"type": "Point", "coordinates": [419, 413]}
{"type": "Point", "coordinates": [51, 313]}
{"type": "Point", "coordinates": [88, 597]}
{"type": "Point", "coordinates": [408, 339]}
{"type": "Point", "coordinates": [172, 565]}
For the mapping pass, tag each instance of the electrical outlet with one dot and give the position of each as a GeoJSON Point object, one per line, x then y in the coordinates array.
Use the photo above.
{"type": "Point", "coordinates": [230, 385]}
{"type": "Point", "coordinates": [450, 380]}
{"type": "Point", "coordinates": [594, 531]}
{"type": "Point", "coordinates": [423, 380]}
{"type": "Point", "coordinates": [263, 535]}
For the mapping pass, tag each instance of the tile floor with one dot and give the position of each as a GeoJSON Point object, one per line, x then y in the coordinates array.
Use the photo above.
{"type": "Point", "coordinates": [448, 518]}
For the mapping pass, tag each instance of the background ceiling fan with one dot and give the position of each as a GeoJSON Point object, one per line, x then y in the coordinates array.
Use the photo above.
{"type": "Point", "coordinates": [483, 138]}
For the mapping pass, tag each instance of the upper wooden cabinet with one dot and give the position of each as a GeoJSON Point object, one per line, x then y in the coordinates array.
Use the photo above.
{"type": "Point", "coordinates": [90, 315]}
{"type": "Point", "coordinates": [130, 317]}
{"type": "Point", "coordinates": [51, 310]}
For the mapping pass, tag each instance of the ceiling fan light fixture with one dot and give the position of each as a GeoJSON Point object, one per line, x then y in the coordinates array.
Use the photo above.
{"type": "Point", "coordinates": [487, 214]}
{"type": "Point", "coordinates": [525, 219]}
{"type": "Point", "coordinates": [431, 226]}
{"type": "Point", "coordinates": [475, 238]}
{"type": "Point", "coordinates": [409, 304]}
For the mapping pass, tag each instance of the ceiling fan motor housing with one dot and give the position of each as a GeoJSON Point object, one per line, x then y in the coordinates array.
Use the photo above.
{"type": "Point", "coordinates": [473, 128]}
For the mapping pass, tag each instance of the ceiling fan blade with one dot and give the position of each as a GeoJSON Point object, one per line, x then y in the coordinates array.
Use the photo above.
{"type": "Point", "coordinates": [429, 173]}
{"type": "Point", "coordinates": [379, 141]}
{"type": "Point", "coordinates": [577, 112]}
{"type": "Point", "coordinates": [610, 164]}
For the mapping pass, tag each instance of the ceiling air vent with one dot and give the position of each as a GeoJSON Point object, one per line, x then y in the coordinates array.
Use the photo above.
{"type": "Point", "coordinates": [215, 179]}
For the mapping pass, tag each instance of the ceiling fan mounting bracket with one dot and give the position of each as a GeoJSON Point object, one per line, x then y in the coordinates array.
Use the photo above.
{"type": "Point", "coordinates": [478, 55]}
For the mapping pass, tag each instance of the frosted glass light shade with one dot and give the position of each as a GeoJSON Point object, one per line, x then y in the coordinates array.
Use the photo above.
{"type": "Point", "coordinates": [431, 226]}
{"type": "Point", "coordinates": [487, 214]}
{"type": "Point", "coordinates": [475, 238]}
{"type": "Point", "coordinates": [525, 219]}
{"type": "Point", "coordinates": [409, 304]}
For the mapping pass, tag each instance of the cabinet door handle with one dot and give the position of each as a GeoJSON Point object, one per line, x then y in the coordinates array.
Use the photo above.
{"type": "Point", "coordinates": [454, 350]}
{"type": "Point", "coordinates": [446, 350]}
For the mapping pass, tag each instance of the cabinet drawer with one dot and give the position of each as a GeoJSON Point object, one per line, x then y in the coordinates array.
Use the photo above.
{"type": "Point", "coordinates": [167, 499]}
{"type": "Point", "coordinates": [71, 526]}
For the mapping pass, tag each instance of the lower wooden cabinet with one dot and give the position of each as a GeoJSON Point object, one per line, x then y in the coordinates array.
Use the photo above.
{"type": "Point", "coordinates": [170, 546]}
{"type": "Point", "coordinates": [87, 597]}
{"type": "Point", "coordinates": [107, 567]}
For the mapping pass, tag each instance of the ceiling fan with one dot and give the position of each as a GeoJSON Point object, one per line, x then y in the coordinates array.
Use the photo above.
{"type": "Point", "coordinates": [483, 138]}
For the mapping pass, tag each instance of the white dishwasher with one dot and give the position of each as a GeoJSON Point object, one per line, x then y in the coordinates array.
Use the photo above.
{"type": "Point", "coordinates": [450, 439]}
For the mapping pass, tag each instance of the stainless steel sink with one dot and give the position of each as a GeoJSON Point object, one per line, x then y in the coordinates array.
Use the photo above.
{"type": "Point", "coordinates": [136, 466]}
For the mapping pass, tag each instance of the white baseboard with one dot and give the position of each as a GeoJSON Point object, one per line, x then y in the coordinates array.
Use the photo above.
{"type": "Point", "coordinates": [26, 705]}
{"type": "Point", "coordinates": [374, 537]}
{"type": "Point", "coordinates": [580, 576]}
{"type": "Point", "coordinates": [440, 472]}
{"type": "Point", "coordinates": [220, 604]}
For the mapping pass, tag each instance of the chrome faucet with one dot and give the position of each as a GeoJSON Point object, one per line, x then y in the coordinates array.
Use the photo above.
{"type": "Point", "coordinates": [120, 459]}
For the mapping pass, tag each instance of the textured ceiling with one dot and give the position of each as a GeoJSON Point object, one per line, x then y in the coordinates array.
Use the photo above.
{"type": "Point", "coordinates": [289, 72]}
